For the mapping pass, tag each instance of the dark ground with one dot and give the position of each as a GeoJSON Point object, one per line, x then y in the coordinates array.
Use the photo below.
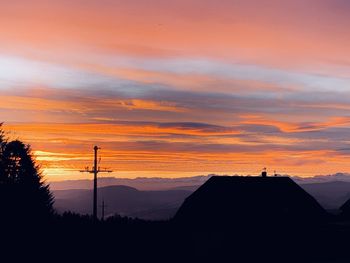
{"type": "Point", "coordinates": [74, 237]}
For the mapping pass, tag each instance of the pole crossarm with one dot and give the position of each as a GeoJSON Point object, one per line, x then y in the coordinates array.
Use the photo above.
{"type": "Point", "coordinates": [103, 170]}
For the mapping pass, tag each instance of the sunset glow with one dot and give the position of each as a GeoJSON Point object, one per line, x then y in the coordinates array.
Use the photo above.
{"type": "Point", "coordinates": [180, 88]}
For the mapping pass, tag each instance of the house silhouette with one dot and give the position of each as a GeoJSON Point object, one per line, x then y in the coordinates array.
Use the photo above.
{"type": "Point", "coordinates": [236, 200]}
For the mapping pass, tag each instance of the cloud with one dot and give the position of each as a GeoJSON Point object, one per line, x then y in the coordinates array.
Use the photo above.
{"type": "Point", "coordinates": [299, 127]}
{"type": "Point", "coordinates": [232, 85]}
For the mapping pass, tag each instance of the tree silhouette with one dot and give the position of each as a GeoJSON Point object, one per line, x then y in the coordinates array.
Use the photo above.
{"type": "Point", "coordinates": [23, 193]}
{"type": "Point", "coordinates": [2, 148]}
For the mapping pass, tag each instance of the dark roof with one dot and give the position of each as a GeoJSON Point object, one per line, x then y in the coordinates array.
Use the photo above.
{"type": "Point", "coordinates": [227, 199]}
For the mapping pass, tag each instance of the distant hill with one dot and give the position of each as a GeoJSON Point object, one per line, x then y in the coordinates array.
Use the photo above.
{"type": "Point", "coordinates": [337, 177]}
{"type": "Point", "coordinates": [190, 188]}
{"type": "Point", "coordinates": [164, 196]}
{"type": "Point", "coordinates": [158, 183]}
{"type": "Point", "coordinates": [331, 195]}
{"type": "Point", "coordinates": [123, 200]}
{"type": "Point", "coordinates": [140, 183]}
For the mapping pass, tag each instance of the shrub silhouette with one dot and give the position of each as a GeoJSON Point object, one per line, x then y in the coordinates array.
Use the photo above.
{"type": "Point", "coordinates": [24, 196]}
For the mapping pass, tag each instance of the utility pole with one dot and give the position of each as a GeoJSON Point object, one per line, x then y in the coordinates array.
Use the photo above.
{"type": "Point", "coordinates": [95, 184]}
{"type": "Point", "coordinates": [103, 206]}
{"type": "Point", "coordinates": [96, 170]}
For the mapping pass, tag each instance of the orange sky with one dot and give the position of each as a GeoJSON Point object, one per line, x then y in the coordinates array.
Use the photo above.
{"type": "Point", "coordinates": [178, 88]}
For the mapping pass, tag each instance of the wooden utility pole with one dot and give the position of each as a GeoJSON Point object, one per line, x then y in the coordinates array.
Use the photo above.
{"type": "Point", "coordinates": [96, 170]}
{"type": "Point", "coordinates": [103, 206]}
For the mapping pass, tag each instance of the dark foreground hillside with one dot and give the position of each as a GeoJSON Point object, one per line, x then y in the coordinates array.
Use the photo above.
{"type": "Point", "coordinates": [227, 219]}
{"type": "Point", "coordinates": [125, 240]}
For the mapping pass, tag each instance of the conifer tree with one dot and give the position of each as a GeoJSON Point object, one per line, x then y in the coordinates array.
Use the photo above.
{"type": "Point", "coordinates": [23, 192]}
